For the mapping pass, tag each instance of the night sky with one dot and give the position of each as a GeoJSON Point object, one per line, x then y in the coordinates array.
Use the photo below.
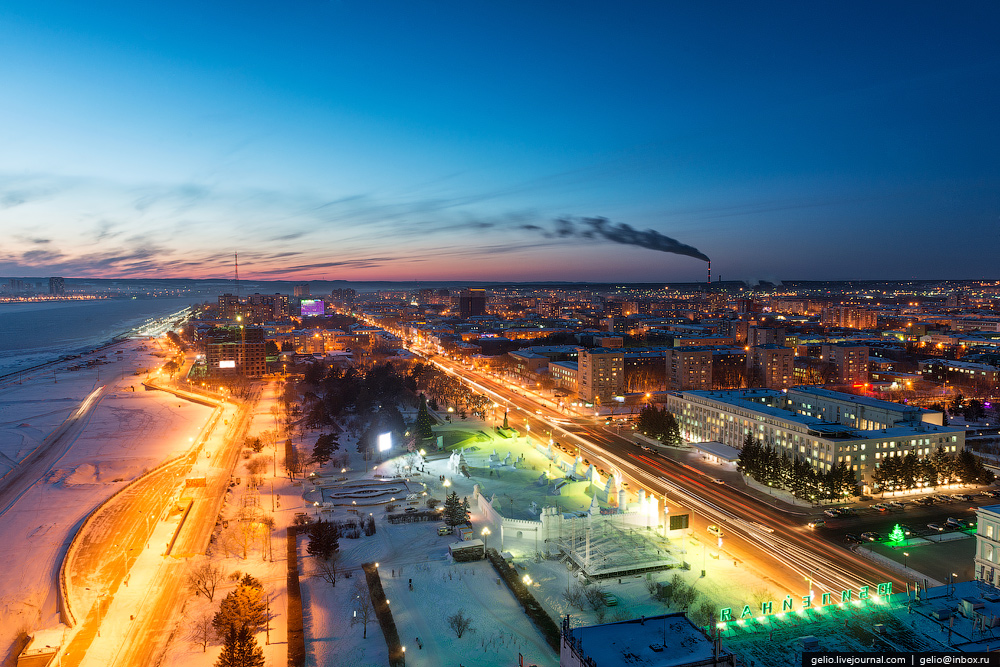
{"type": "Point", "coordinates": [462, 140]}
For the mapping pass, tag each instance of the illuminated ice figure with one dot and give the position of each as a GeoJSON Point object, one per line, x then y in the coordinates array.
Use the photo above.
{"type": "Point", "coordinates": [384, 442]}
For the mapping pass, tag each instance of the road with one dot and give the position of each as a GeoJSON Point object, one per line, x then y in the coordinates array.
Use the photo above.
{"type": "Point", "coordinates": [36, 464]}
{"type": "Point", "coordinates": [775, 543]}
{"type": "Point", "coordinates": [119, 533]}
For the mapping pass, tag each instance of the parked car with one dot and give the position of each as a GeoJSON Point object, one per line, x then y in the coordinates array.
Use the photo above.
{"type": "Point", "coordinates": [871, 536]}
{"type": "Point", "coordinates": [896, 505]}
{"type": "Point", "coordinates": [851, 537]}
{"type": "Point", "coordinates": [832, 513]}
{"type": "Point", "coordinates": [881, 507]}
{"type": "Point", "coordinates": [816, 523]}
{"type": "Point", "coordinates": [934, 526]}
{"type": "Point", "coordinates": [964, 497]}
{"type": "Point", "coordinates": [952, 522]}
{"type": "Point", "coordinates": [715, 530]}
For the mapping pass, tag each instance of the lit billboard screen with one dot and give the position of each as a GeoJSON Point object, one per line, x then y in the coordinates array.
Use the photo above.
{"type": "Point", "coordinates": [227, 363]}
{"type": "Point", "coordinates": [384, 442]}
{"type": "Point", "coordinates": [313, 307]}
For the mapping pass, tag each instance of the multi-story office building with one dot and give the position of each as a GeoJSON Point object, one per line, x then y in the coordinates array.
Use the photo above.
{"type": "Point", "coordinates": [564, 373]}
{"type": "Point", "coordinates": [301, 289]}
{"type": "Point", "coordinates": [824, 428]}
{"type": "Point", "coordinates": [988, 544]}
{"type": "Point", "coordinates": [57, 286]}
{"type": "Point", "coordinates": [471, 303]}
{"type": "Point", "coordinates": [849, 360]}
{"type": "Point", "coordinates": [600, 374]}
{"type": "Point", "coordinates": [962, 373]}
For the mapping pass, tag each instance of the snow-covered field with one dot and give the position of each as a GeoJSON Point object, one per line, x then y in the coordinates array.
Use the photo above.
{"type": "Point", "coordinates": [127, 433]}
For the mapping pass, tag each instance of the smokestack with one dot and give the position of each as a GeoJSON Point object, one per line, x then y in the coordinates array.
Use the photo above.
{"type": "Point", "coordinates": [709, 272]}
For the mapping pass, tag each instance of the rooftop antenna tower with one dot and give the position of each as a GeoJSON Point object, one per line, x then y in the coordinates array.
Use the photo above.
{"type": "Point", "coordinates": [236, 267]}
{"type": "Point", "coordinates": [709, 272]}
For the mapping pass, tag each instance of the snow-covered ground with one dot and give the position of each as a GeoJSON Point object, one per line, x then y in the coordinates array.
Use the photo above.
{"type": "Point", "coordinates": [440, 587]}
{"type": "Point", "coordinates": [127, 433]}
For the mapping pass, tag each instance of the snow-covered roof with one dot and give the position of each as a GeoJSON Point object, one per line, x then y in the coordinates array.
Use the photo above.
{"type": "Point", "coordinates": [660, 641]}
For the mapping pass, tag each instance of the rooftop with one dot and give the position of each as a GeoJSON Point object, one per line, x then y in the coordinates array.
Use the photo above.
{"type": "Point", "coordinates": [660, 641]}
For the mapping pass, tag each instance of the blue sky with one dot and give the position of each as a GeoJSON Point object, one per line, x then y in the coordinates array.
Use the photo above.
{"type": "Point", "coordinates": [443, 140]}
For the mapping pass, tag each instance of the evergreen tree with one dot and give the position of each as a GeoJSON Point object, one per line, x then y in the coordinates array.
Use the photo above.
{"type": "Point", "coordinates": [465, 514]}
{"type": "Point", "coordinates": [324, 448]}
{"type": "Point", "coordinates": [424, 429]}
{"type": "Point", "coordinates": [243, 607]}
{"type": "Point", "coordinates": [452, 509]}
{"type": "Point", "coordinates": [240, 650]}
{"type": "Point", "coordinates": [324, 540]}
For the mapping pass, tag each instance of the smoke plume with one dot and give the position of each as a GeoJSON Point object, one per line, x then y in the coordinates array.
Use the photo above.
{"type": "Point", "coordinates": [602, 228]}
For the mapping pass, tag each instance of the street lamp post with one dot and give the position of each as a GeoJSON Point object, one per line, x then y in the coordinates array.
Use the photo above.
{"type": "Point", "coordinates": [486, 539]}
{"type": "Point", "coordinates": [905, 556]}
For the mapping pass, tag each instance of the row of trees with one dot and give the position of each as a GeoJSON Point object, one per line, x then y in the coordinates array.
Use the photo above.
{"type": "Point", "coordinates": [899, 473]}
{"type": "Point", "coordinates": [660, 424]}
{"type": "Point", "coordinates": [449, 389]}
{"type": "Point", "coordinates": [765, 464]}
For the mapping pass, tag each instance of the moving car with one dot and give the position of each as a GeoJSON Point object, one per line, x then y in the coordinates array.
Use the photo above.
{"type": "Point", "coordinates": [715, 530]}
{"type": "Point", "coordinates": [816, 523]}
{"type": "Point", "coordinates": [719, 481]}
{"type": "Point", "coordinates": [832, 513]}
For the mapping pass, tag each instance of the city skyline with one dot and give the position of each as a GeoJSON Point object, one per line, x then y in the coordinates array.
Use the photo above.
{"type": "Point", "coordinates": [445, 142]}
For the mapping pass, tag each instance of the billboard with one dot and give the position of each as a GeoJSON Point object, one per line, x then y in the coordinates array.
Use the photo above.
{"type": "Point", "coordinates": [384, 442]}
{"type": "Point", "coordinates": [312, 307]}
{"type": "Point", "coordinates": [227, 363]}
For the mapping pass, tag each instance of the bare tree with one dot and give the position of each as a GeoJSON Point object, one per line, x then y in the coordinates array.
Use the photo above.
{"type": "Point", "coordinates": [204, 578]}
{"type": "Point", "coordinates": [257, 468]}
{"type": "Point", "coordinates": [595, 598]}
{"type": "Point", "coordinates": [200, 631]}
{"type": "Point", "coordinates": [459, 622]}
{"type": "Point", "coordinates": [327, 569]}
{"type": "Point", "coordinates": [574, 595]}
{"type": "Point", "coordinates": [364, 611]}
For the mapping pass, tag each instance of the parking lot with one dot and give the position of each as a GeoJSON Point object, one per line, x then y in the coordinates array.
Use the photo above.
{"type": "Point", "coordinates": [939, 560]}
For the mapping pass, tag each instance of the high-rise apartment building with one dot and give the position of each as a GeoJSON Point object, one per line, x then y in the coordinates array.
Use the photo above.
{"type": "Point", "coordinates": [689, 367]}
{"type": "Point", "coordinates": [600, 373]}
{"type": "Point", "coordinates": [471, 303]}
{"type": "Point", "coordinates": [229, 307]}
{"type": "Point", "coordinates": [57, 286]}
{"type": "Point", "coordinates": [236, 351]}
{"type": "Point", "coordinates": [262, 308]}
{"type": "Point", "coordinates": [849, 317]}
{"type": "Point", "coordinates": [302, 289]}
{"type": "Point", "coordinates": [849, 360]}
{"type": "Point", "coordinates": [771, 366]}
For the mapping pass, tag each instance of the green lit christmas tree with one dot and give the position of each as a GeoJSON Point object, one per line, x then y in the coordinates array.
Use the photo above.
{"type": "Point", "coordinates": [897, 534]}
